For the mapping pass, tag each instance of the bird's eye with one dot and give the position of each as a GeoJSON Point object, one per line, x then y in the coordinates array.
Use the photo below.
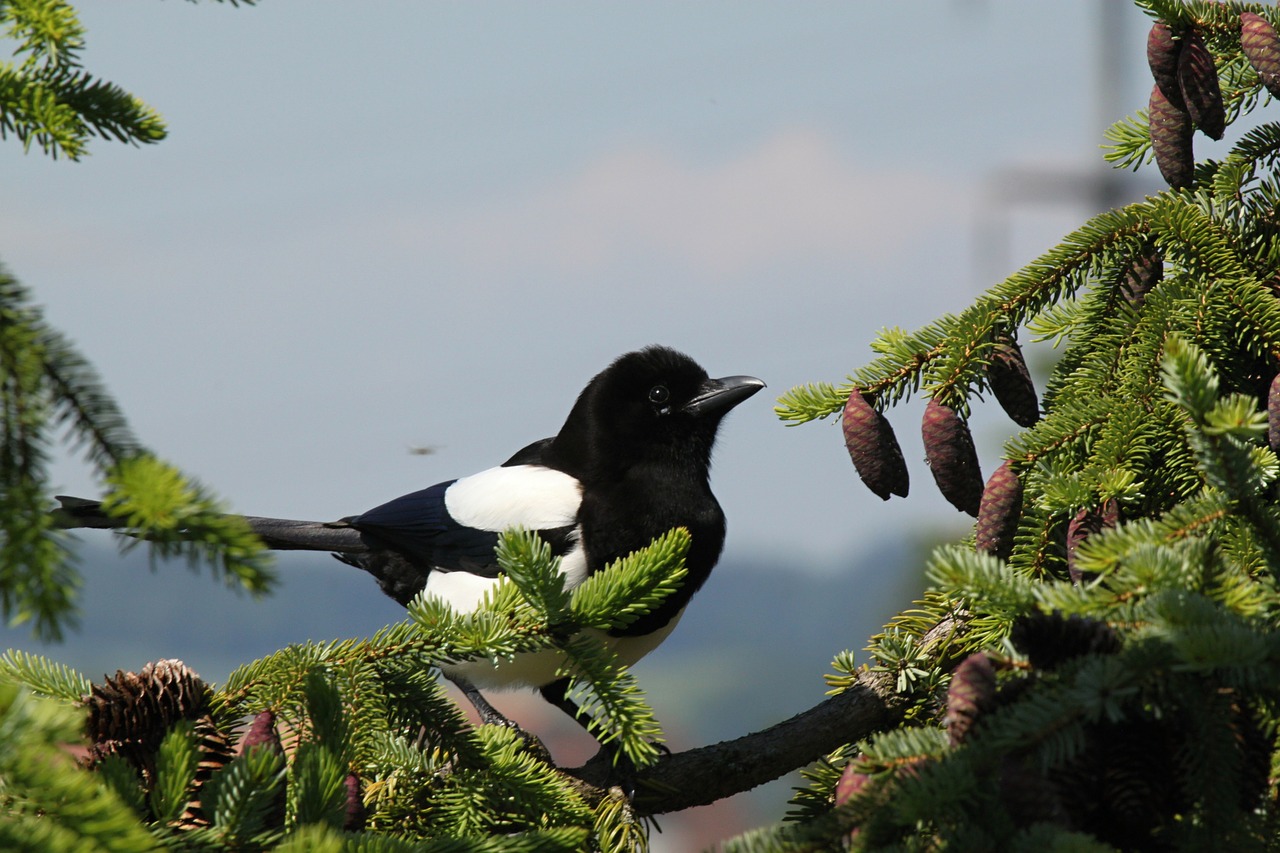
{"type": "Point", "coordinates": [659, 394]}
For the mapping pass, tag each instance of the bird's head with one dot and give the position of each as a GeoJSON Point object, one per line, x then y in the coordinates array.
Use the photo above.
{"type": "Point", "coordinates": [649, 405]}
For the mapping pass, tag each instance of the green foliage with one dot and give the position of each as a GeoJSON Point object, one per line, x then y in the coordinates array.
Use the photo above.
{"type": "Point", "coordinates": [368, 730]}
{"type": "Point", "coordinates": [1136, 703]}
{"type": "Point", "coordinates": [50, 804]}
{"type": "Point", "coordinates": [48, 393]}
{"type": "Point", "coordinates": [45, 95]}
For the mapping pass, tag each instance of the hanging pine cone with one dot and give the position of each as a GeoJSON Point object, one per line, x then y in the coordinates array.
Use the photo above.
{"type": "Point", "coordinates": [354, 819]}
{"type": "Point", "coordinates": [1201, 92]}
{"type": "Point", "coordinates": [1162, 57]}
{"type": "Point", "coordinates": [873, 448]}
{"type": "Point", "coordinates": [1261, 47]}
{"type": "Point", "coordinates": [971, 694]}
{"type": "Point", "coordinates": [1011, 383]}
{"type": "Point", "coordinates": [1027, 795]}
{"type": "Point", "coordinates": [999, 512]}
{"type": "Point", "coordinates": [1050, 639]}
{"type": "Point", "coordinates": [1145, 270]}
{"type": "Point", "coordinates": [1273, 415]}
{"type": "Point", "coordinates": [1088, 521]}
{"type": "Point", "coordinates": [948, 448]}
{"type": "Point", "coordinates": [849, 784]}
{"type": "Point", "coordinates": [1171, 130]}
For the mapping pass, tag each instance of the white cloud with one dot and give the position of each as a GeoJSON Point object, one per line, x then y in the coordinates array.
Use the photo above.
{"type": "Point", "coordinates": [794, 195]}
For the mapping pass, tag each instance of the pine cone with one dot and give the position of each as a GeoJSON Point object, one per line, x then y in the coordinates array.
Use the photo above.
{"type": "Point", "coordinates": [1273, 415]}
{"type": "Point", "coordinates": [850, 783]}
{"type": "Point", "coordinates": [1162, 56]}
{"type": "Point", "coordinates": [1200, 89]}
{"type": "Point", "coordinates": [1028, 796]}
{"type": "Point", "coordinates": [216, 752]}
{"type": "Point", "coordinates": [1050, 639]}
{"type": "Point", "coordinates": [262, 732]}
{"type": "Point", "coordinates": [948, 448]}
{"type": "Point", "coordinates": [355, 814]}
{"type": "Point", "coordinates": [971, 694]}
{"type": "Point", "coordinates": [1087, 522]}
{"type": "Point", "coordinates": [1261, 47]}
{"type": "Point", "coordinates": [1145, 270]}
{"type": "Point", "coordinates": [1011, 383]}
{"type": "Point", "coordinates": [131, 713]}
{"type": "Point", "coordinates": [1171, 130]}
{"type": "Point", "coordinates": [999, 512]}
{"type": "Point", "coordinates": [874, 448]}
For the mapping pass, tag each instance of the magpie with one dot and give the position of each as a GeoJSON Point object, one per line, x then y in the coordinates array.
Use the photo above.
{"type": "Point", "coordinates": [631, 462]}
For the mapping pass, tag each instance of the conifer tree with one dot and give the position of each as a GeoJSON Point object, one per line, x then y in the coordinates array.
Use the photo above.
{"type": "Point", "coordinates": [1096, 668]}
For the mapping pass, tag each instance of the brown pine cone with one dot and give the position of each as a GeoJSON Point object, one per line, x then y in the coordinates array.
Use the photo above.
{"type": "Point", "coordinates": [1200, 89]}
{"type": "Point", "coordinates": [1273, 415]}
{"type": "Point", "coordinates": [1011, 383]}
{"type": "Point", "coordinates": [873, 448]}
{"type": "Point", "coordinates": [1145, 270]}
{"type": "Point", "coordinates": [948, 448]}
{"type": "Point", "coordinates": [1162, 57]}
{"type": "Point", "coordinates": [1261, 47]}
{"type": "Point", "coordinates": [971, 694]}
{"type": "Point", "coordinates": [999, 512]}
{"type": "Point", "coordinates": [1088, 521]}
{"type": "Point", "coordinates": [1171, 130]}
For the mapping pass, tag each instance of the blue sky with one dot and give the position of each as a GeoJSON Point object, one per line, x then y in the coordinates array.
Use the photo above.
{"type": "Point", "coordinates": [377, 226]}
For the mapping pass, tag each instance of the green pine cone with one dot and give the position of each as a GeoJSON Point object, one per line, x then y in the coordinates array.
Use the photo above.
{"type": "Point", "coordinates": [999, 512]}
{"type": "Point", "coordinates": [949, 450]}
{"type": "Point", "coordinates": [874, 448]}
{"type": "Point", "coordinates": [1171, 130]}
{"type": "Point", "coordinates": [1261, 47]}
{"type": "Point", "coordinates": [1200, 90]}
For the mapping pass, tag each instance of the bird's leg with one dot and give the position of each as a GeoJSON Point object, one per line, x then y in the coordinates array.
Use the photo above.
{"type": "Point", "coordinates": [557, 693]}
{"type": "Point", "coordinates": [491, 716]}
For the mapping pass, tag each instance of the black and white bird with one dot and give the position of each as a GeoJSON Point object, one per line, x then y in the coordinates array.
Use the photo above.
{"type": "Point", "coordinates": [631, 462]}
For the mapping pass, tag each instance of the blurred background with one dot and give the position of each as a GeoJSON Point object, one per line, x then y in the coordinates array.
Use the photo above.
{"type": "Point", "coordinates": [382, 228]}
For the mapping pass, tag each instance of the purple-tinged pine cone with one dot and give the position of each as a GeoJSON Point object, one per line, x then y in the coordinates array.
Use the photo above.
{"type": "Point", "coordinates": [1261, 47]}
{"type": "Point", "coordinates": [999, 512]}
{"type": "Point", "coordinates": [1162, 56]}
{"type": "Point", "coordinates": [1011, 383]}
{"type": "Point", "coordinates": [948, 448]}
{"type": "Point", "coordinates": [873, 448]}
{"type": "Point", "coordinates": [972, 693]}
{"type": "Point", "coordinates": [1171, 130]}
{"type": "Point", "coordinates": [1200, 89]}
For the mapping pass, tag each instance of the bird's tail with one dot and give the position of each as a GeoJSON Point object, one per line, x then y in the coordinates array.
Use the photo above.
{"type": "Point", "coordinates": [278, 534]}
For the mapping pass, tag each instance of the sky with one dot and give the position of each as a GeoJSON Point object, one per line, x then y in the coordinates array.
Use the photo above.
{"type": "Point", "coordinates": [382, 226]}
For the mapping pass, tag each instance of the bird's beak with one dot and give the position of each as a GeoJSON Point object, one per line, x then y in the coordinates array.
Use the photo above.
{"type": "Point", "coordinates": [717, 396]}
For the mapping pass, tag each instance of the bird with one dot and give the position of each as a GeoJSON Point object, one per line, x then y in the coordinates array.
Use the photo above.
{"type": "Point", "coordinates": [630, 463]}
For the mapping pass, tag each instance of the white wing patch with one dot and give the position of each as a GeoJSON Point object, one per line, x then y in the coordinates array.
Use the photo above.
{"type": "Point", "coordinates": [528, 496]}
